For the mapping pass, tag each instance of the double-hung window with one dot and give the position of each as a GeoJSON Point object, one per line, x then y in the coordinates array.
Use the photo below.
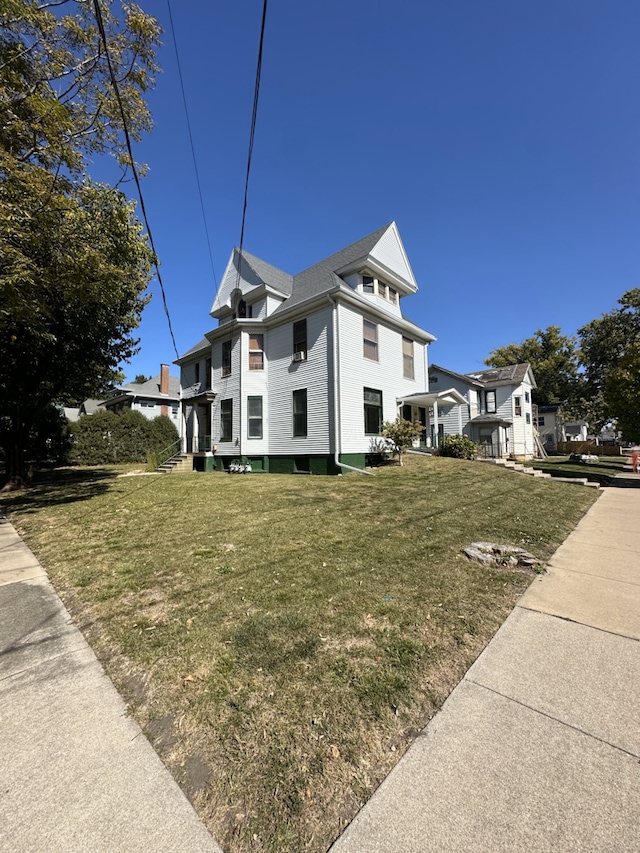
{"type": "Point", "coordinates": [300, 340]}
{"type": "Point", "coordinates": [372, 411]}
{"type": "Point", "coordinates": [368, 284]}
{"type": "Point", "coordinates": [370, 335]}
{"type": "Point", "coordinates": [208, 374]}
{"type": "Point", "coordinates": [226, 358]}
{"type": "Point", "coordinates": [226, 420]}
{"type": "Point", "coordinates": [254, 417]}
{"type": "Point", "coordinates": [490, 400]}
{"type": "Point", "coordinates": [407, 358]}
{"type": "Point", "coordinates": [517, 405]}
{"type": "Point", "coordinates": [256, 352]}
{"type": "Point", "coordinates": [300, 413]}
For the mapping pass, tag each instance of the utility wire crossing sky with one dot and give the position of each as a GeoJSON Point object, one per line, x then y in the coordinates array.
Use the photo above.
{"type": "Point", "coordinates": [502, 137]}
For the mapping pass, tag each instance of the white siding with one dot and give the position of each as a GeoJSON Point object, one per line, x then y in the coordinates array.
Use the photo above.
{"type": "Point", "coordinates": [226, 387]}
{"type": "Point", "coordinates": [287, 376]}
{"type": "Point", "coordinates": [254, 384]}
{"type": "Point", "coordinates": [358, 373]}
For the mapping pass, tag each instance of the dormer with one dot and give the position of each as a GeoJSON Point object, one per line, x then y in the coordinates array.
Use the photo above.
{"type": "Point", "coordinates": [384, 274]}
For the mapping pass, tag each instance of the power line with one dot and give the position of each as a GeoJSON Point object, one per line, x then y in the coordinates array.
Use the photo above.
{"type": "Point", "coordinates": [114, 83]}
{"type": "Point", "coordinates": [193, 152]}
{"type": "Point", "coordinates": [251, 137]}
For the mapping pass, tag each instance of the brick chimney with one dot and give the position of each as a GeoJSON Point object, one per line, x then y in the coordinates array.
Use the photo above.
{"type": "Point", "coordinates": [164, 378]}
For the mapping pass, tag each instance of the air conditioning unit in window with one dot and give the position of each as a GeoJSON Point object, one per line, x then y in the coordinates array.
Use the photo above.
{"type": "Point", "coordinates": [299, 356]}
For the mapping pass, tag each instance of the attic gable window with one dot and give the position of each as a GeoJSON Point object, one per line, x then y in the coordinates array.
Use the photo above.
{"type": "Point", "coordinates": [380, 288]}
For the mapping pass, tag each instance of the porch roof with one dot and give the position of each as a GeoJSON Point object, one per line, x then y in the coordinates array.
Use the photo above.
{"type": "Point", "coordinates": [491, 420]}
{"type": "Point", "coordinates": [450, 397]}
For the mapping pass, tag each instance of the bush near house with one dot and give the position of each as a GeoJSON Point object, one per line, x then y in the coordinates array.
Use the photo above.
{"type": "Point", "coordinates": [109, 438]}
{"type": "Point", "coordinates": [458, 446]}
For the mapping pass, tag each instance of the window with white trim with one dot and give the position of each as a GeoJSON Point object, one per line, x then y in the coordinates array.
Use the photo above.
{"type": "Point", "coordinates": [226, 420]}
{"type": "Point", "coordinates": [372, 411]}
{"type": "Point", "coordinates": [256, 352]}
{"type": "Point", "coordinates": [254, 417]}
{"type": "Point", "coordinates": [300, 413]}
{"type": "Point", "coordinates": [370, 335]}
{"type": "Point", "coordinates": [226, 358]}
{"type": "Point", "coordinates": [407, 358]}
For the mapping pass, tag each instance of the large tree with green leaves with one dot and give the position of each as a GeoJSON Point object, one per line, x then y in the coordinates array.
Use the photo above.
{"type": "Point", "coordinates": [74, 263]}
{"type": "Point", "coordinates": [609, 353]}
{"type": "Point", "coordinates": [554, 361]}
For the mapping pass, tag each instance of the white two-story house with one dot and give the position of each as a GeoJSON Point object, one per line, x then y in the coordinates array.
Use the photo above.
{"type": "Point", "coordinates": [498, 411]}
{"type": "Point", "coordinates": [302, 370]}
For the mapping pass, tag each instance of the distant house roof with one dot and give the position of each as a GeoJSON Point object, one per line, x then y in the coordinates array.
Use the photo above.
{"type": "Point", "coordinates": [89, 407]}
{"type": "Point", "coordinates": [509, 375]}
{"type": "Point", "coordinates": [147, 390]}
{"type": "Point", "coordinates": [513, 374]}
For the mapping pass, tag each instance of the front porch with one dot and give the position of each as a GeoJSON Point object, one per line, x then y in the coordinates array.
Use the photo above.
{"type": "Point", "coordinates": [426, 408]}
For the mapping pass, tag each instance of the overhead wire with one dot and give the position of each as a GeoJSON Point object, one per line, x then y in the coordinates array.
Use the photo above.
{"type": "Point", "coordinates": [193, 152]}
{"type": "Point", "coordinates": [114, 83]}
{"type": "Point", "coordinates": [251, 138]}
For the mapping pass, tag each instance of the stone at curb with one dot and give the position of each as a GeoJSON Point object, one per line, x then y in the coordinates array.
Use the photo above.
{"type": "Point", "coordinates": [491, 554]}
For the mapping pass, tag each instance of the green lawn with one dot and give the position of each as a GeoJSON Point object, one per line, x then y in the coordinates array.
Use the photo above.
{"type": "Point", "coordinates": [603, 471]}
{"type": "Point", "coordinates": [283, 639]}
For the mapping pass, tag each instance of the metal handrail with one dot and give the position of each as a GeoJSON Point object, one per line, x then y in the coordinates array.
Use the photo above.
{"type": "Point", "coordinates": [168, 452]}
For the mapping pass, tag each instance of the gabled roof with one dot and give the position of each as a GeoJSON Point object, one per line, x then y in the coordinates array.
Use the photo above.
{"type": "Point", "coordinates": [381, 252]}
{"type": "Point", "coordinates": [202, 345]}
{"type": "Point", "coordinates": [254, 273]}
{"type": "Point", "coordinates": [461, 377]}
{"type": "Point", "coordinates": [512, 374]}
{"type": "Point", "coordinates": [148, 389]}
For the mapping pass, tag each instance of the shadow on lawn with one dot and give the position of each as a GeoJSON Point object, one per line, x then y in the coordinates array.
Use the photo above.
{"type": "Point", "coordinates": [59, 486]}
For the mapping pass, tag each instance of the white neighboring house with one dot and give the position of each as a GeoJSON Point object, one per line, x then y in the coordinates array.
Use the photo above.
{"type": "Point", "coordinates": [155, 397]}
{"type": "Point", "coordinates": [551, 426]}
{"type": "Point", "coordinates": [498, 415]}
{"type": "Point", "coordinates": [302, 370]}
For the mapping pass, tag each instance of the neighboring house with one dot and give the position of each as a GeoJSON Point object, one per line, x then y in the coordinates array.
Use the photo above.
{"type": "Point", "coordinates": [155, 397]}
{"type": "Point", "coordinates": [89, 407]}
{"type": "Point", "coordinates": [577, 430]}
{"type": "Point", "coordinates": [498, 412]}
{"type": "Point", "coordinates": [302, 370]}
{"type": "Point", "coordinates": [551, 426]}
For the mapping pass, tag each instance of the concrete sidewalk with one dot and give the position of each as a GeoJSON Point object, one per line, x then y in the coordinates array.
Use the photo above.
{"type": "Point", "coordinates": [538, 748]}
{"type": "Point", "coordinates": [76, 774]}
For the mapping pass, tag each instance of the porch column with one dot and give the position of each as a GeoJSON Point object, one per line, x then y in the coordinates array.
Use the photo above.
{"type": "Point", "coordinates": [435, 423]}
{"type": "Point", "coordinates": [460, 419]}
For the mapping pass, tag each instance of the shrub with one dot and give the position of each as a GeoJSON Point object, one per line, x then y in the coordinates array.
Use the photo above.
{"type": "Point", "coordinates": [458, 446]}
{"type": "Point", "coordinates": [107, 438]}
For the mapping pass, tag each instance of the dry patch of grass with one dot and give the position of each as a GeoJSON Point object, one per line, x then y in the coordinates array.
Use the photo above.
{"type": "Point", "coordinates": [281, 639]}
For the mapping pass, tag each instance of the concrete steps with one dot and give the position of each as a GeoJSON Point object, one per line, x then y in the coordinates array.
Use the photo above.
{"type": "Point", "coordinates": [178, 464]}
{"type": "Point", "coordinates": [510, 465]}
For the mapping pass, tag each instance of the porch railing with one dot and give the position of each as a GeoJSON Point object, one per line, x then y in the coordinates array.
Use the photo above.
{"type": "Point", "coordinates": [199, 444]}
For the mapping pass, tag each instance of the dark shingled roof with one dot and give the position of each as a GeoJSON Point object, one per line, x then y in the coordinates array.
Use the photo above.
{"type": "Point", "coordinates": [511, 373]}
{"type": "Point", "coordinates": [264, 273]}
{"type": "Point", "coordinates": [320, 277]}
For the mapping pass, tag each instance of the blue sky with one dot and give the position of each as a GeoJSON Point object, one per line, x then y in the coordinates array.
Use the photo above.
{"type": "Point", "coordinates": [502, 136]}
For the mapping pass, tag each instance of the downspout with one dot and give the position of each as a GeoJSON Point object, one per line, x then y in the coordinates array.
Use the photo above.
{"type": "Point", "coordinates": [336, 407]}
